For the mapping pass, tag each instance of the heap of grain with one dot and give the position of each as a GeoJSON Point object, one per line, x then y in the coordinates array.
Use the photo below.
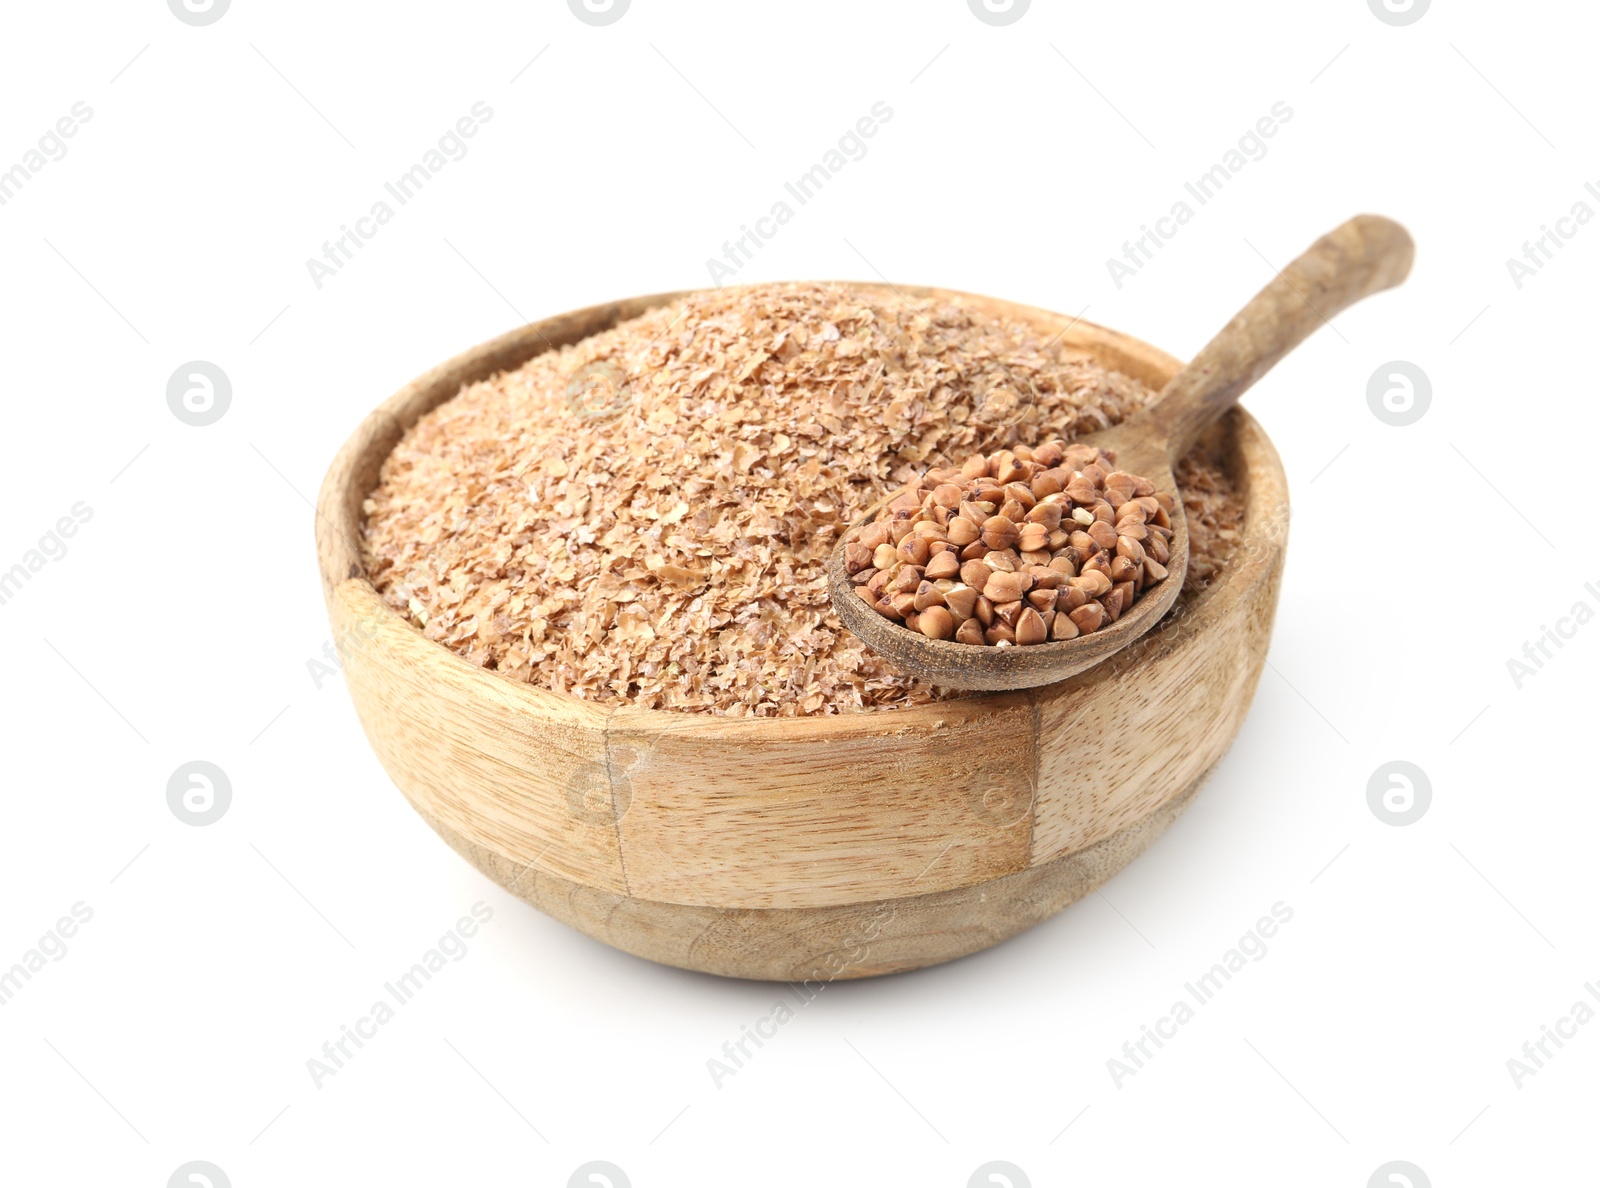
{"type": "Point", "coordinates": [662, 541]}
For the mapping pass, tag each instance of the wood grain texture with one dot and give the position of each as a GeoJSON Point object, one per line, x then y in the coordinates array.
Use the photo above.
{"type": "Point", "coordinates": [514, 767]}
{"type": "Point", "coordinates": [1179, 694]}
{"type": "Point", "coordinates": [812, 814]}
{"type": "Point", "coordinates": [815, 946]}
{"type": "Point", "coordinates": [760, 848]}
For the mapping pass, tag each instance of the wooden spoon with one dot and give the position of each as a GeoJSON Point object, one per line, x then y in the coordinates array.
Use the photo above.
{"type": "Point", "coordinates": [1364, 256]}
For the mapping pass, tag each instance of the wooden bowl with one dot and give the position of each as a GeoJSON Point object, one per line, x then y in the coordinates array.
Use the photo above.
{"type": "Point", "coordinates": [803, 848]}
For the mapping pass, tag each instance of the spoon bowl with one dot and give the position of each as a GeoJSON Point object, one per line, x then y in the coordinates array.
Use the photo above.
{"type": "Point", "coordinates": [967, 666]}
{"type": "Point", "coordinates": [1363, 256]}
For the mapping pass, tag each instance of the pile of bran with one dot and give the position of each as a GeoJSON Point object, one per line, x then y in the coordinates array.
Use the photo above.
{"type": "Point", "coordinates": [665, 545]}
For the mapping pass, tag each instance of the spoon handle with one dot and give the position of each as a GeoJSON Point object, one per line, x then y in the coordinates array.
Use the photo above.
{"type": "Point", "coordinates": [1363, 256]}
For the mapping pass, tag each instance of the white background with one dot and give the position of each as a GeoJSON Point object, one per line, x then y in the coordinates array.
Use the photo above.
{"type": "Point", "coordinates": [180, 623]}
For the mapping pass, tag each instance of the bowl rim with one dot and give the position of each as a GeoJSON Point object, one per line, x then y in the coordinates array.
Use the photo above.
{"type": "Point", "coordinates": [353, 470]}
